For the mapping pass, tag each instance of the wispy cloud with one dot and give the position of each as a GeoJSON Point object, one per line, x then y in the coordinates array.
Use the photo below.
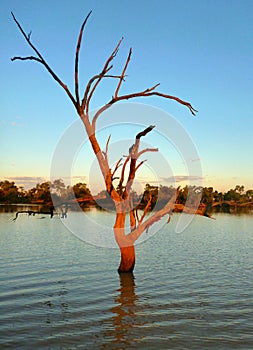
{"type": "Point", "coordinates": [31, 181]}
{"type": "Point", "coordinates": [196, 160]}
{"type": "Point", "coordinates": [26, 181]}
{"type": "Point", "coordinates": [182, 178]}
{"type": "Point", "coordinates": [16, 122]}
{"type": "Point", "coordinates": [70, 179]}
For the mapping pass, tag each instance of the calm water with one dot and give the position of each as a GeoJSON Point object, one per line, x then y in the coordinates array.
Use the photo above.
{"type": "Point", "coordinates": [190, 290]}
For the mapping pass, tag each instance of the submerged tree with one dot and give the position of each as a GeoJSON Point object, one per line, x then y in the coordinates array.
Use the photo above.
{"type": "Point", "coordinates": [120, 194]}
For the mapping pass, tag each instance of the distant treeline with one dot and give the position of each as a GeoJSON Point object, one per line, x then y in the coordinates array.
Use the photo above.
{"type": "Point", "coordinates": [10, 193]}
{"type": "Point", "coordinates": [234, 200]}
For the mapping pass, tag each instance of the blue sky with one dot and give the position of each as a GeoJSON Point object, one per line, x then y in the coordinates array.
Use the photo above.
{"type": "Point", "coordinates": [201, 51]}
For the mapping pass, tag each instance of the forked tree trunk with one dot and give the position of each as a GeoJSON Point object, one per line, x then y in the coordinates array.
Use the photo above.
{"type": "Point", "coordinates": [126, 246]}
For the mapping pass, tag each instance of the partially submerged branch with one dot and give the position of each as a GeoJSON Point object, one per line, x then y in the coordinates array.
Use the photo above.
{"type": "Point", "coordinates": [33, 213]}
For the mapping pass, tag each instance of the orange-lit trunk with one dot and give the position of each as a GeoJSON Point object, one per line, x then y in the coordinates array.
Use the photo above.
{"type": "Point", "coordinates": [127, 261]}
{"type": "Point", "coordinates": [127, 250]}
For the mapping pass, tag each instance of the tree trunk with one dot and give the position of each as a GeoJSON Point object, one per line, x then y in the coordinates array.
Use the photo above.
{"type": "Point", "coordinates": [126, 246]}
{"type": "Point", "coordinates": [127, 259]}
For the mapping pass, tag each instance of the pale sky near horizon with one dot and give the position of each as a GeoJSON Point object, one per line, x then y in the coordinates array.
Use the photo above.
{"type": "Point", "coordinates": [199, 50]}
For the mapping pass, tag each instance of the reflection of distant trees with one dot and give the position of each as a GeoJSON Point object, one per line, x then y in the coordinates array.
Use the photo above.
{"type": "Point", "coordinates": [126, 318]}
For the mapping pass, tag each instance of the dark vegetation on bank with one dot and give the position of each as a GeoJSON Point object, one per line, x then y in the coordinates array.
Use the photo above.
{"type": "Point", "coordinates": [237, 200]}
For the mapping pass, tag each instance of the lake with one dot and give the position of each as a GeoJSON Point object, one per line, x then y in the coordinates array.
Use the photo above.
{"type": "Point", "coordinates": [190, 290]}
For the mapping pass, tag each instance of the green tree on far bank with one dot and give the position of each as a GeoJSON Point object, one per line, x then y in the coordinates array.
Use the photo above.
{"type": "Point", "coordinates": [10, 193]}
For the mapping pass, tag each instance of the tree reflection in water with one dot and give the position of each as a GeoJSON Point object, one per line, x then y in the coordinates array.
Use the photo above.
{"type": "Point", "coordinates": [126, 318]}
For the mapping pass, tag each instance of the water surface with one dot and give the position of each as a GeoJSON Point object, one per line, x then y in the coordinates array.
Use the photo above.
{"type": "Point", "coordinates": [190, 290]}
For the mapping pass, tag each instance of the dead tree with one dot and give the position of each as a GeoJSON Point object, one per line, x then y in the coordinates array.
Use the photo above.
{"type": "Point", "coordinates": [121, 194]}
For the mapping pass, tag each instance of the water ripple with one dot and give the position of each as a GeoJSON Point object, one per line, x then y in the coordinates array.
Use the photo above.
{"type": "Point", "coordinates": [192, 290]}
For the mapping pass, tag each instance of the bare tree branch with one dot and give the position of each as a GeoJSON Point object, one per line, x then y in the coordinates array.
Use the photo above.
{"type": "Point", "coordinates": [118, 164]}
{"type": "Point", "coordinates": [145, 93]}
{"type": "Point", "coordinates": [98, 113]}
{"type": "Point", "coordinates": [144, 226]}
{"type": "Point", "coordinates": [133, 152]}
{"type": "Point", "coordinates": [145, 132]}
{"type": "Point", "coordinates": [132, 220]}
{"type": "Point", "coordinates": [147, 207]}
{"type": "Point", "coordinates": [123, 172]}
{"type": "Point", "coordinates": [136, 214]}
{"type": "Point", "coordinates": [27, 37]}
{"type": "Point", "coordinates": [142, 152]}
{"type": "Point", "coordinates": [150, 92]}
{"type": "Point", "coordinates": [88, 95]}
{"type": "Point", "coordinates": [123, 74]}
{"type": "Point", "coordinates": [147, 150]}
{"type": "Point", "coordinates": [77, 58]}
{"type": "Point", "coordinates": [97, 77]}
{"type": "Point", "coordinates": [32, 58]}
{"type": "Point", "coordinates": [42, 61]}
{"type": "Point", "coordinates": [187, 104]}
{"type": "Point", "coordinates": [106, 149]}
{"type": "Point", "coordinates": [140, 164]}
{"type": "Point", "coordinates": [100, 77]}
